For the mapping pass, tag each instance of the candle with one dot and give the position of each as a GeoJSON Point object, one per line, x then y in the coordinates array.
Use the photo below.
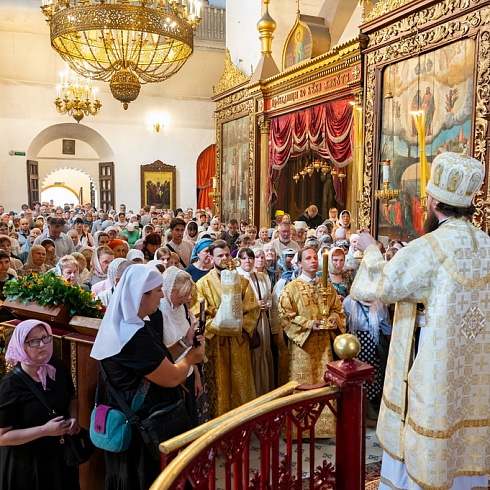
{"type": "Point", "coordinates": [325, 270]}
{"type": "Point", "coordinates": [386, 171]}
{"type": "Point", "coordinates": [215, 182]}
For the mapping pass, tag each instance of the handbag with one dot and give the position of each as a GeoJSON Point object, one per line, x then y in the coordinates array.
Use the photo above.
{"type": "Point", "coordinates": [163, 424]}
{"type": "Point", "coordinates": [110, 429]}
{"type": "Point", "coordinates": [77, 448]}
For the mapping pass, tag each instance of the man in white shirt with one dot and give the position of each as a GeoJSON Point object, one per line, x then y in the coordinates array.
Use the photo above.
{"type": "Point", "coordinates": [182, 247]}
{"type": "Point", "coordinates": [283, 239]}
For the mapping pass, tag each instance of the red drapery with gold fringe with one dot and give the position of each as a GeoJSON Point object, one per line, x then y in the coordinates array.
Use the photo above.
{"type": "Point", "coordinates": [325, 130]}
{"type": "Point", "coordinates": [205, 171]}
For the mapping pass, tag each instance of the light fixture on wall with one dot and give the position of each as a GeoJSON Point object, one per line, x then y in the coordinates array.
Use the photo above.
{"type": "Point", "coordinates": [157, 121]}
{"type": "Point", "coordinates": [76, 96]}
{"type": "Point", "coordinates": [126, 42]}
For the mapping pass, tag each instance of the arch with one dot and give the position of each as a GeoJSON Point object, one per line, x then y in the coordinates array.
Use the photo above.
{"type": "Point", "coordinates": [73, 131]}
{"type": "Point", "coordinates": [42, 186]}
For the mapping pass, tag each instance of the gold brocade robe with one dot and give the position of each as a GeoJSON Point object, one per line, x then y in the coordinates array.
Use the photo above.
{"type": "Point", "coordinates": [305, 358]}
{"type": "Point", "coordinates": [229, 366]}
{"type": "Point", "coordinates": [435, 412]}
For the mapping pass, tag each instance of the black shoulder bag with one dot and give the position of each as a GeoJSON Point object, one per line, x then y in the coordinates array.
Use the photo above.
{"type": "Point", "coordinates": [77, 448]}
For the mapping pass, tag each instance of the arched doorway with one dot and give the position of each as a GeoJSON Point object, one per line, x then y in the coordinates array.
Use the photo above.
{"type": "Point", "coordinates": [68, 186]}
{"type": "Point", "coordinates": [90, 158]}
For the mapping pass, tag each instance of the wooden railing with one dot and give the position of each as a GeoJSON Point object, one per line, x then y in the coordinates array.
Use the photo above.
{"type": "Point", "coordinates": [291, 417]}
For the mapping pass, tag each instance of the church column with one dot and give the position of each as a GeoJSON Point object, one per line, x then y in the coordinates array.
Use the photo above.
{"type": "Point", "coordinates": [264, 206]}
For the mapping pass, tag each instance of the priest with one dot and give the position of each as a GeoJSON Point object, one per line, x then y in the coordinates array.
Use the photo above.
{"type": "Point", "coordinates": [434, 422]}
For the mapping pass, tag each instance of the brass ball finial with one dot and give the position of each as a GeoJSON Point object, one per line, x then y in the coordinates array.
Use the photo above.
{"type": "Point", "coordinates": [347, 346]}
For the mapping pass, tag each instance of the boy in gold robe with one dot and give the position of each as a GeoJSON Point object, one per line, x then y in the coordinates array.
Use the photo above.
{"type": "Point", "coordinates": [229, 367]}
{"type": "Point", "coordinates": [301, 308]}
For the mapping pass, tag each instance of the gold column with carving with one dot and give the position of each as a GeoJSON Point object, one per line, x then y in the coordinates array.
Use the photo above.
{"type": "Point", "coordinates": [265, 210]}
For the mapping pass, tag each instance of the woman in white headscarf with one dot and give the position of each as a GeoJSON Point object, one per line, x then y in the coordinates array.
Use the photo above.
{"type": "Point", "coordinates": [177, 317]}
{"type": "Point", "coordinates": [262, 362]}
{"type": "Point", "coordinates": [101, 259]}
{"type": "Point", "coordinates": [134, 357]}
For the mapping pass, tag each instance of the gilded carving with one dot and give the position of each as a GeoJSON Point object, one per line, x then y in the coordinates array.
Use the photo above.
{"type": "Point", "coordinates": [417, 43]}
{"type": "Point", "coordinates": [231, 76]}
{"type": "Point", "coordinates": [383, 7]}
{"type": "Point", "coordinates": [73, 362]}
{"type": "Point", "coordinates": [233, 106]}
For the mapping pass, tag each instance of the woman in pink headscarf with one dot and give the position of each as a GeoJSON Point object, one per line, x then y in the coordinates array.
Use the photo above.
{"type": "Point", "coordinates": [31, 453]}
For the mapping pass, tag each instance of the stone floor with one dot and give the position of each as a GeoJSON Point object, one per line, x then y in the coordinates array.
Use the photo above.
{"type": "Point", "coordinates": [324, 449]}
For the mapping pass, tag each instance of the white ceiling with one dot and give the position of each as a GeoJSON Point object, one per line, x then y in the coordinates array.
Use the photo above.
{"type": "Point", "coordinates": [26, 56]}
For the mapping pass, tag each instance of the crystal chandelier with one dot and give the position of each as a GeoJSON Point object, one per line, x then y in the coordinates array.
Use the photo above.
{"type": "Point", "coordinates": [125, 42]}
{"type": "Point", "coordinates": [76, 96]}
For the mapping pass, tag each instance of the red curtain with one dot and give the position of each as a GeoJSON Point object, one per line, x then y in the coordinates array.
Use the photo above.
{"type": "Point", "coordinates": [325, 130]}
{"type": "Point", "coordinates": [205, 171]}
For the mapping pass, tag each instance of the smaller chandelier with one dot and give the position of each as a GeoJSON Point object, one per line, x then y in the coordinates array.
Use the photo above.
{"type": "Point", "coordinates": [76, 96]}
{"type": "Point", "coordinates": [125, 42]}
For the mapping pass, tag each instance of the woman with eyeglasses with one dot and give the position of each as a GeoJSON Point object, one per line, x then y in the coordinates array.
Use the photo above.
{"type": "Point", "coordinates": [31, 450]}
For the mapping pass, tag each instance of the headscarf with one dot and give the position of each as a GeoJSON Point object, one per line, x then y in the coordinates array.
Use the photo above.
{"type": "Point", "coordinates": [331, 253]}
{"type": "Point", "coordinates": [353, 236]}
{"type": "Point", "coordinates": [372, 317]}
{"type": "Point", "coordinates": [135, 254]}
{"type": "Point", "coordinates": [200, 246]}
{"type": "Point", "coordinates": [340, 218]}
{"type": "Point", "coordinates": [55, 258]}
{"type": "Point", "coordinates": [30, 265]}
{"type": "Point", "coordinates": [282, 260]}
{"type": "Point", "coordinates": [96, 237]}
{"type": "Point", "coordinates": [96, 268]}
{"type": "Point", "coordinates": [16, 350]}
{"type": "Point", "coordinates": [318, 228]}
{"type": "Point", "coordinates": [116, 243]}
{"type": "Point", "coordinates": [174, 318]}
{"type": "Point", "coordinates": [187, 237]}
{"type": "Point", "coordinates": [121, 320]}
{"type": "Point", "coordinates": [112, 270]}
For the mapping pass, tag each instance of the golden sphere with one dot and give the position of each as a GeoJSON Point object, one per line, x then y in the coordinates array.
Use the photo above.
{"type": "Point", "coordinates": [346, 346]}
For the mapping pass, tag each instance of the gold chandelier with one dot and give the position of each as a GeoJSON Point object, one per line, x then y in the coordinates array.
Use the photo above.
{"type": "Point", "coordinates": [125, 42]}
{"type": "Point", "coordinates": [76, 96]}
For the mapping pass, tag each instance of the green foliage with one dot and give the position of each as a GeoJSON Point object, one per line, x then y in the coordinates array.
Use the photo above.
{"type": "Point", "coordinates": [52, 290]}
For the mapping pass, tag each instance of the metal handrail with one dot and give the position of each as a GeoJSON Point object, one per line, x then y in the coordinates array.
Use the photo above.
{"type": "Point", "coordinates": [188, 437]}
{"type": "Point", "coordinates": [168, 478]}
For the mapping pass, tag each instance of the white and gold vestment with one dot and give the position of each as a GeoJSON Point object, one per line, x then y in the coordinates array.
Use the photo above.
{"type": "Point", "coordinates": [435, 413]}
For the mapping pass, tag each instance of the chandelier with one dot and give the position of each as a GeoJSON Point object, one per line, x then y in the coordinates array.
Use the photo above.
{"type": "Point", "coordinates": [125, 42]}
{"type": "Point", "coordinates": [76, 96]}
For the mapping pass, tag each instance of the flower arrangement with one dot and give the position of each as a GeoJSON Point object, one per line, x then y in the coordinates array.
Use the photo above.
{"type": "Point", "coordinates": [51, 290]}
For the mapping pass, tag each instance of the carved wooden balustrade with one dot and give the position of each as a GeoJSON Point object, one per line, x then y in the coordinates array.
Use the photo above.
{"type": "Point", "coordinates": [268, 421]}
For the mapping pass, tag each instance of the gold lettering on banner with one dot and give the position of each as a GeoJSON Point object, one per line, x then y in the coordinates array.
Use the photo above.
{"type": "Point", "coordinates": [313, 89]}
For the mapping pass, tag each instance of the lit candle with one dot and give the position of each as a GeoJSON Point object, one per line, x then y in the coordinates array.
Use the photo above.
{"type": "Point", "coordinates": [325, 270]}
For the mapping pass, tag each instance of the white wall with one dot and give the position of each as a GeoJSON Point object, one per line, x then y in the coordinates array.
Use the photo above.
{"type": "Point", "coordinates": [29, 71]}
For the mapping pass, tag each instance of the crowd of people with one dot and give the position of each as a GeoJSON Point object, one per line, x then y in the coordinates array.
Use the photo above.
{"type": "Point", "coordinates": [273, 299]}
